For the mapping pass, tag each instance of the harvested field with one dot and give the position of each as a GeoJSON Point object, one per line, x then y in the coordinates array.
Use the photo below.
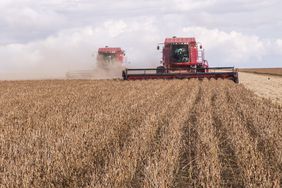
{"type": "Point", "coordinates": [178, 133]}
{"type": "Point", "coordinates": [269, 71]}
{"type": "Point", "coordinates": [266, 86]}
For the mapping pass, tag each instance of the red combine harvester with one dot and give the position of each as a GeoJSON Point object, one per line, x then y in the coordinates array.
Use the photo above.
{"type": "Point", "coordinates": [107, 56]}
{"type": "Point", "coordinates": [183, 58]}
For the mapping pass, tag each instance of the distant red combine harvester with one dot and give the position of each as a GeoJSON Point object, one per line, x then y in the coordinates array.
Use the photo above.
{"type": "Point", "coordinates": [182, 58]}
{"type": "Point", "coordinates": [108, 56]}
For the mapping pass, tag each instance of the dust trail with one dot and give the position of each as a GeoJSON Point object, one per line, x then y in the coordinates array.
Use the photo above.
{"type": "Point", "coordinates": [101, 71]}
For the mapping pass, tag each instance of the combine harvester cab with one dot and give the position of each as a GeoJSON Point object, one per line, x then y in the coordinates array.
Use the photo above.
{"type": "Point", "coordinates": [183, 58]}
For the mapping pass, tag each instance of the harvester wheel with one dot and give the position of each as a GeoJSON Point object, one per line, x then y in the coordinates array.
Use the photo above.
{"type": "Point", "coordinates": [236, 80]}
{"type": "Point", "coordinates": [160, 70]}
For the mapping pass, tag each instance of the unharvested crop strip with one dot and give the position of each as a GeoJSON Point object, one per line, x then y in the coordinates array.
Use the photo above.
{"type": "Point", "coordinates": [249, 159]}
{"type": "Point", "coordinates": [262, 126]}
{"type": "Point", "coordinates": [263, 129]}
{"type": "Point", "coordinates": [231, 175]}
{"type": "Point", "coordinates": [187, 172]}
{"type": "Point", "coordinates": [207, 153]}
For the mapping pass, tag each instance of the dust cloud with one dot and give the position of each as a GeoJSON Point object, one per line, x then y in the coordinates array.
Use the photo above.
{"type": "Point", "coordinates": [101, 71]}
{"type": "Point", "coordinates": [112, 71]}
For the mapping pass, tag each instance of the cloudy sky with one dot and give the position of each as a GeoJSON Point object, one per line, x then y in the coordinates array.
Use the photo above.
{"type": "Point", "coordinates": [52, 37]}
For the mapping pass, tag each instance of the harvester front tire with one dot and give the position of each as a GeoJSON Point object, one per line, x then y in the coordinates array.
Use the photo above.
{"type": "Point", "coordinates": [160, 70]}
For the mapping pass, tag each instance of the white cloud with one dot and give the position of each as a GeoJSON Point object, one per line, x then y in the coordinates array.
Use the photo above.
{"type": "Point", "coordinates": [185, 5]}
{"type": "Point", "coordinates": [230, 47]}
{"type": "Point", "coordinates": [31, 18]}
{"type": "Point", "coordinates": [278, 47]}
{"type": "Point", "coordinates": [279, 43]}
{"type": "Point", "coordinates": [115, 28]}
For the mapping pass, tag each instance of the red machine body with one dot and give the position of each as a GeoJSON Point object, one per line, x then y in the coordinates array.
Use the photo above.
{"type": "Point", "coordinates": [109, 55]}
{"type": "Point", "coordinates": [179, 53]}
{"type": "Point", "coordinates": [182, 58]}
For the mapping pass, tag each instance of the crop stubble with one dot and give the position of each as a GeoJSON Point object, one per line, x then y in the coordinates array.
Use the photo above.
{"type": "Point", "coordinates": [181, 133]}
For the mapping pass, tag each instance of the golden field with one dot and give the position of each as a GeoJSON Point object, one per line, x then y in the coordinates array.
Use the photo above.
{"type": "Point", "coordinates": [111, 133]}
